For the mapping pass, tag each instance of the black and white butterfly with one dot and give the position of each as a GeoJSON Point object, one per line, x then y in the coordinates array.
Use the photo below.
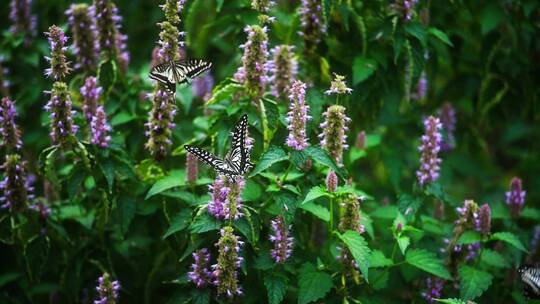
{"type": "Point", "coordinates": [171, 73]}
{"type": "Point", "coordinates": [237, 161]}
{"type": "Point", "coordinates": [530, 276]}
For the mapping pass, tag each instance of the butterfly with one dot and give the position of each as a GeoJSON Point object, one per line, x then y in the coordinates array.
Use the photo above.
{"type": "Point", "coordinates": [173, 72]}
{"type": "Point", "coordinates": [530, 276]}
{"type": "Point", "coordinates": [237, 161]}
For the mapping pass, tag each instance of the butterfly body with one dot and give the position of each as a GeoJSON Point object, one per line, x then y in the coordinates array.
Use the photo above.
{"type": "Point", "coordinates": [530, 276]}
{"type": "Point", "coordinates": [237, 161]}
{"type": "Point", "coordinates": [173, 72]}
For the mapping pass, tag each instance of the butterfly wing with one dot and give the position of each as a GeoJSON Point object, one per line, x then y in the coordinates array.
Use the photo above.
{"type": "Point", "coordinates": [167, 75]}
{"type": "Point", "coordinates": [190, 68]}
{"type": "Point", "coordinates": [238, 155]}
{"type": "Point", "coordinates": [530, 276]}
{"type": "Point", "coordinates": [217, 164]}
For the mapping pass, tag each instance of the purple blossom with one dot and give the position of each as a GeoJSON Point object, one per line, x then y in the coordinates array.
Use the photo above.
{"type": "Point", "coordinates": [331, 181]}
{"type": "Point", "coordinates": [91, 94]}
{"type": "Point", "coordinates": [404, 8]}
{"type": "Point", "coordinates": [421, 87]}
{"type": "Point", "coordinates": [312, 24]}
{"type": "Point", "coordinates": [226, 200]}
{"type": "Point", "coordinates": [22, 20]}
{"type": "Point", "coordinates": [283, 69]}
{"type": "Point", "coordinates": [225, 271]}
{"type": "Point", "coordinates": [200, 274]}
{"type": "Point", "coordinates": [515, 198]}
{"type": "Point", "coordinates": [160, 123]}
{"type": "Point", "coordinates": [254, 70]}
{"type": "Point", "coordinates": [361, 140]}
{"type": "Point", "coordinates": [262, 6]}
{"type": "Point", "coordinates": [434, 287]}
{"type": "Point", "coordinates": [82, 23]}
{"type": "Point", "coordinates": [485, 219]}
{"type": "Point", "coordinates": [202, 86]}
{"type": "Point", "coordinates": [59, 64]}
{"type": "Point", "coordinates": [472, 251]}
{"type": "Point", "coordinates": [111, 41]}
{"type": "Point", "coordinates": [297, 117]}
{"type": "Point", "coordinates": [100, 128]}
{"type": "Point", "coordinates": [14, 186]}
{"type": "Point", "coordinates": [338, 86]}
{"type": "Point", "coordinates": [350, 217]}
{"type": "Point", "coordinates": [431, 145]}
{"type": "Point", "coordinates": [191, 168]}
{"type": "Point", "coordinates": [107, 290]}
{"type": "Point", "coordinates": [447, 115]}
{"type": "Point", "coordinates": [43, 210]}
{"type": "Point", "coordinates": [61, 114]}
{"type": "Point", "coordinates": [283, 243]}
{"type": "Point", "coordinates": [469, 216]}
{"type": "Point", "coordinates": [169, 36]}
{"type": "Point", "coordinates": [333, 136]}
{"type": "Point", "coordinates": [11, 135]}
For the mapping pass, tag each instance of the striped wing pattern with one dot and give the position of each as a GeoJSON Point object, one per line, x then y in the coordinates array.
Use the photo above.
{"type": "Point", "coordinates": [530, 276]}
{"type": "Point", "coordinates": [171, 73]}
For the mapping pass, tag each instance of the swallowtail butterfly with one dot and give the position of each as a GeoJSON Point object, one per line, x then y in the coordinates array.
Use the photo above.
{"type": "Point", "coordinates": [171, 73]}
{"type": "Point", "coordinates": [530, 276]}
{"type": "Point", "coordinates": [237, 161]}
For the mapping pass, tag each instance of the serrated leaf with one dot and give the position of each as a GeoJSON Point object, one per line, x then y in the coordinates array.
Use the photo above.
{"type": "Point", "coordinates": [276, 287]}
{"type": "Point", "coordinates": [359, 249]}
{"type": "Point", "coordinates": [224, 92]}
{"type": "Point", "coordinates": [509, 238]}
{"type": "Point", "coordinates": [440, 35]}
{"type": "Point", "coordinates": [313, 284]}
{"type": "Point", "coordinates": [315, 193]}
{"type": "Point", "coordinates": [427, 261]}
{"type": "Point", "coordinates": [179, 222]}
{"type": "Point", "coordinates": [107, 74]}
{"type": "Point", "coordinates": [378, 259]}
{"type": "Point", "coordinates": [403, 243]}
{"type": "Point", "coordinates": [199, 296]}
{"type": "Point", "coordinates": [493, 258]}
{"type": "Point", "coordinates": [252, 191]}
{"type": "Point", "coordinates": [320, 156]}
{"type": "Point", "coordinates": [473, 282]}
{"type": "Point", "coordinates": [317, 210]}
{"type": "Point", "coordinates": [469, 237]}
{"type": "Point", "coordinates": [363, 68]}
{"type": "Point", "coordinates": [204, 222]}
{"type": "Point", "coordinates": [408, 205]}
{"type": "Point", "coordinates": [124, 213]}
{"type": "Point", "coordinates": [270, 157]}
{"type": "Point", "coordinates": [174, 179]}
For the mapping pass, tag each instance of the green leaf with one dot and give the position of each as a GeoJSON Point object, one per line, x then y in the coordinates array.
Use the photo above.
{"type": "Point", "coordinates": [490, 17]}
{"type": "Point", "coordinates": [204, 222]}
{"type": "Point", "coordinates": [531, 213]}
{"type": "Point", "coordinates": [175, 179]}
{"type": "Point", "coordinates": [378, 259]}
{"type": "Point", "coordinates": [313, 284]}
{"type": "Point", "coordinates": [200, 296]}
{"type": "Point", "coordinates": [107, 167]}
{"type": "Point", "coordinates": [320, 156]}
{"type": "Point", "coordinates": [317, 210]}
{"type": "Point", "coordinates": [403, 243]}
{"type": "Point", "coordinates": [272, 156]}
{"type": "Point", "coordinates": [385, 212]}
{"type": "Point", "coordinates": [252, 191]}
{"type": "Point", "coordinates": [124, 213]}
{"type": "Point", "coordinates": [509, 238]}
{"type": "Point", "coordinates": [493, 258]}
{"type": "Point", "coordinates": [179, 222]}
{"type": "Point", "coordinates": [427, 261]}
{"type": "Point", "coordinates": [363, 68]}
{"type": "Point", "coordinates": [122, 118]}
{"type": "Point", "coordinates": [408, 205]}
{"type": "Point", "coordinates": [454, 301]}
{"type": "Point", "coordinates": [469, 237]}
{"type": "Point", "coordinates": [223, 92]}
{"type": "Point", "coordinates": [473, 282]}
{"type": "Point", "coordinates": [8, 277]}
{"type": "Point", "coordinates": [359, 249]}
{"type": "Point", "coordinates": [107, 74]}
{"type": "Point", "coordinates": [276, 286]}
{"type": "Point", "coordinates": [440, 35]}
{"type": "Point", "coordinates": [315, 193]}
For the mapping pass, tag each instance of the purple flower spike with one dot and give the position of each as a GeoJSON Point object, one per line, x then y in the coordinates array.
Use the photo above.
{"type": "Point", "coordinates": [22, 21]}
{"type": "Point", "coordinates": [283, 69]}
{"type": "Point", "coordinates": [226, 200]}
{"type": "Point", "coordinates": [225, 271]}
{"type": "Point", "coordinates": [334, 128]}
{"type": "Point", "coordinates": [82, 23]}
{"type": "Point", "coordinates": [107, 290]}
{"type": "Point", "coordinates": [111, 41]}
{"type": "Point", "coordinates": [254, 70]}
{"type": "Point", "coordinates": [421, 87]}
{"type": "Point", "coordinates": [431, 145]}
{"type": "Point", "coordinates": [11, 135]}
{"type": "Point", "coordinates": [169, 36]}
{"type": "Point", "coordinates": [262, 6]}
{"type": "Point", "coordinates": [91, 94]}
{"type": "Point", "coordinates": [361, 140]}
{"type": "Point", "coordinates": [100, 128]}
{"type": "Point", "coordinates": [448, 120]}
{"type": "Point", "coordinates": [14, 185]}
{"type": "Point", "coordinates": [515, 198]}
{"type": "Point", "coordinates": [200, 274]}
{"type": "Point", "coordinates": [202, 86]}
{"type": "Point", "coordinates": [338, 86]}
{"type": "Point", "coordinates": [59, 64]}
{"type": "Point", "coordinates": [61, 114]}
{"type": "Point", "coordinates": [312, 24]}
{"type": "Point", "coordinates": [160, 124]}
{"type": "Point", "coordinates": [191, 168]}
{"type": "Point", "coordinates": [434, 288]}
{"type": "Point", "coordinates": [469, 216]}
{"type": "Point", "coordinates": [485, 219]}
{"type": "Point", "coordinates": [297, 117]}
{"type": "Point", "coordinates": [331, 181]}
{"type": "Point", "coordinates": [283, 243]}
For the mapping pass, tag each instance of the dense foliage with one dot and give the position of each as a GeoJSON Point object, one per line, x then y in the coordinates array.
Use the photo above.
{"type": "Point", "coordinates": [395, 145]}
